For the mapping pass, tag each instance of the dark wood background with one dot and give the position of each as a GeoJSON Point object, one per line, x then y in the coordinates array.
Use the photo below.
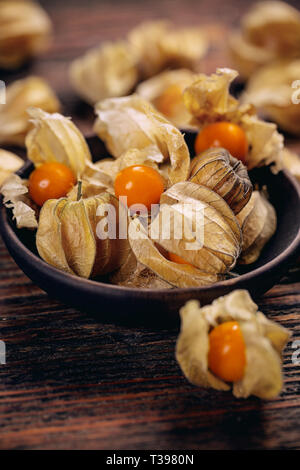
{"type": "Point", "coordinates": [71, 382]}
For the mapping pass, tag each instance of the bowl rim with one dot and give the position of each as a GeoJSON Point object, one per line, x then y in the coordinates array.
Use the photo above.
{"type": "Point", "coordinates": [72, 280]}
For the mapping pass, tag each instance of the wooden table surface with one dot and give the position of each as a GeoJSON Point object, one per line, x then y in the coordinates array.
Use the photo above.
{"type": "Point", "coordinates": [71, 382]}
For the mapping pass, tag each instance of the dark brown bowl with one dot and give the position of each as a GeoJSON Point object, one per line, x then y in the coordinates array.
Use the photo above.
{"type": "Point", "coordinates": [146, 306]}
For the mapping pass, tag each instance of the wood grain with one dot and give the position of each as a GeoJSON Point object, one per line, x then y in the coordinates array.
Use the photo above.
{"type": "Point", "coordinates": [73, 383]}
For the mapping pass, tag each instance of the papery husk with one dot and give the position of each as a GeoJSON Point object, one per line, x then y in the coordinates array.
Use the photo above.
{"type": "Point", "coordinates": [210, 257]}
{"type": "Point", "coordinates": [15, 197]}
{"type": "Point", "coordinates": [155, 89]}
{"type": "Point", "coordinates": [178, 275]}
{"type": "Point", "coordinates": [20, 95]}
{"type": "Point", "coordinates": [269, 89]}
{"type": "Point", "coordinates": [209, 100]}
{"type": "Point", "coordinates": [269, 31]}
{"type": "Point", "coordinates": [274, 24]}
{"type": "Point", "coordinates": [104, 72]}
{"type": "Point", "coordinates": [25, 30]}
{"type": "Point", "coordinates": [266, 144]}
{"type": "Point", "coordinates": [134, 274]}
{"type": "Point", "coordinates": [221, 233]}
{"type": "Point", "coordinates": [159, 45]}
{"type": "Point", "coordinates": [133, 123]}
{"type": "Point", "coordinates": [95, 176]}
{"type": "Point", "coordinates": [49, 238]}
{"type": "Point", "coordinates": [264, 341]}
{"type": "Point", "coordinates": [218, 170]}
{"type": "Point", "coordinates": [291, 161]}
{"type": "Point", "coordinates": [55, 138]}
{"type": "Point", "coordinates": [259, 222]}
{"type": "Point", "coordinates": [247, 57]}
{"type": "Point", "coordinates": [67, 236]}
{"type": "Point", "coordinates": [9, 163]}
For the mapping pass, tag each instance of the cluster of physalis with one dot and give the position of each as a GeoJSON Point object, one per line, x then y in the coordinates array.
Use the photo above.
{"type": "Point", "coordinates": [67, 195]}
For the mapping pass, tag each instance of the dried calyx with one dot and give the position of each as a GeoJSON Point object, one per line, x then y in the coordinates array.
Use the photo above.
{"type": "Point", "coordinates": [208, 100]}
{"type": "Point", "coordinates": [106, 71]}
{"type": "Point", "coordinates": [20, 95]}
{"type": "Point", "coordinates": [159, 45]}
{"type": "Point", "coordinates": [25, 30]}
{"type": "Point", "coordinates": [16, 198]}
{"type": "Point", "coordinates": [263, 341]}
{"type": "Point", "coordinates": [114, 68]}
{"type": "Point", "coordinates": [258, 222]}
{"type": "Point", "coordinates": [269, 31]}
{"type": "Point", "coordinates": [227, 176]}
{"type": "Point", "coordinates": [68, 237]}
{"type": "Point", "coordinates": [133, 123]}
{"type": "Point", "coordinates": [56, 138]}
{"type": "Point", "coordinates": [210, 246]}
{"type": "Point", "coordinates": [269, 90]}
{"type": "Point", "coordinates": [165, 92]}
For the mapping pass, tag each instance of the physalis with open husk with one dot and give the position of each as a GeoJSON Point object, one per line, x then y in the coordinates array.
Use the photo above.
{"type": "Point", "coordinates": [231, 344]}
{"type": "Point", "coordinates": [217, 114]}
{"type": "Point", "coordinates": [106, 71]}
{"type": "Point", "coordinates": [25, 30]}
{"type": "Point", "coordinates": [115, 68]}
{"type": "Point", "coordinates": [270, 90]}
{"type": "Point", "coordinates": [227, 176]}
{"type": "Point", "coordinates": [193, 240]}
{"type": "Point", "coordinates": [160, 45]}
{"type": "Point", "coordinates": [55, 138]}
{"type": "Point", "coordinates": [20, 95]}
{"type": "Point", "coordinates": [132, 123]}
{"type": "Point", "coordinates": [165, 92]}
{"type": "Point", "coordinates": [258, 222]}
{"type": "Point", "coordinates": [269, 31]}
{"type": "Point", "coordinates": [69, 236]}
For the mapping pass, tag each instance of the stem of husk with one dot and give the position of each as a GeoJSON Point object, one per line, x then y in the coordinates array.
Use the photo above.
{"type": "Point", "coordinates": [79, 190]}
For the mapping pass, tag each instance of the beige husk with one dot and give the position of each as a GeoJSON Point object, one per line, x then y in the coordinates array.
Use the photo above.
{"type": "Point", "coordinates": [210, 244]}
{"type": "Point", "coordinates": [56, 138]}
{"type": "Point", "coordinates": [165, 92]}
{"type": "Point", "coordinates": [106, 71]}
{"type": "Point", "coordinates": [270, 90]}
{"type": "Point", "coordinates": [25, 30]}
{"type": "Point", "coordinates": [9, 163]}
{"type": "Point", "coordinates": [269, 31]}
{"type": "Point", "coordinates": [15, 197]}
{"type": "Point", "coordinates": [20, 95]}
{"type": "Point", "coordinates": [134, 274]}
{"type": "Point", "coordinates": [208, 99]}
{"type": "Point", "coordinates": [114, 68]}
{"type": "Point", "coordinates": [156, 89]}
{"type": "Point", "coordinates": [224, 174]}
{"type": "Point", "coordinates": [159, 45]}
{"type": "Point", "coordinates": [68, 236]}
{"type": "Point", "coordinates": [133, 123]}
{"type": "Point", "coordinates": [264, 341]}
{"type": "Point", "coordinates": [258, 221]}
